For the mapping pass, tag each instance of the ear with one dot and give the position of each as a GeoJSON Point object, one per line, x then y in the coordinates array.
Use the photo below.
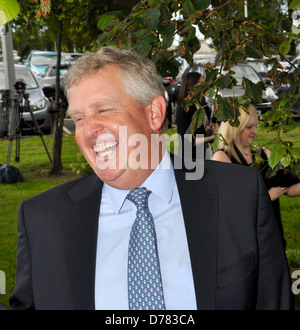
{"type": "Point", "coordinates": [157, 110]}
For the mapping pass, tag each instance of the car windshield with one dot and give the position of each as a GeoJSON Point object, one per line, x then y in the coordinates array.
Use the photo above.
{"type": "Point", "coordinates": [25, 75]}
{"type": "Point", "coordinates": [260, 66]}
{"type": "Point", "coordinates": [72, 57]}
{"type": "Point", "coordinates": [44, 60]}
{"type": "Point", "coordinates": [52, 72]}
{"type": "Point", "coordinates": [245, 71]}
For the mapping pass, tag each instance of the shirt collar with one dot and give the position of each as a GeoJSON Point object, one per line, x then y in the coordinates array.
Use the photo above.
{"type": "Point", "coordinates": [160, 182]}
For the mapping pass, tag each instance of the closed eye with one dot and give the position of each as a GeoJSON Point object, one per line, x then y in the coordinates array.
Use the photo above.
{"type": "Point", "coordinates": [105, 112]}
{"type": "Point", "coordinates": [77, 119]}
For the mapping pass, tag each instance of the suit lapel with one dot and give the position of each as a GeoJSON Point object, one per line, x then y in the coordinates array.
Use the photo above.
{"type": "Point", "coordinates": [80, 228]}
{"type": "Point", "coordinates": [201, 229]}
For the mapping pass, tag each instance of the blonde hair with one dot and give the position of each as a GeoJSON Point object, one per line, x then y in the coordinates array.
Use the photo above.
{"type": "Point", "coordinates": [232, 133]}
{"type": "Point", "coordinates": [139, 75]}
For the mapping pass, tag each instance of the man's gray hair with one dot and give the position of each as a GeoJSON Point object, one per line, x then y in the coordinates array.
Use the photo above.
{"type": "Point", "coordinates": [139, 75]}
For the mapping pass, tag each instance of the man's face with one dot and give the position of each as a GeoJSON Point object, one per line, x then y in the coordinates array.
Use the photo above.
{"type": "Point", "coordinates": [99, 106]}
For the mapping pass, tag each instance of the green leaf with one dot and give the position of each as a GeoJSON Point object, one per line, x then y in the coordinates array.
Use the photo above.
{"type": "Point", "coordinates": [197, 121]}
{"type": "Point", "coordinates": [201, 4]}
{"type": "Point", "coordinates": [285, 47]}
{"type": "Point", "coordinates": [290, 127]}
{"type": "Point", "coordinates": [186, 54]}
{"type": "Point", "coordinates": [252, 90]}
{"type": "Point", "coordinates": [167, 42]}
{"type": "Point", "coordinates": [286, 161]}
{"type": "Point", "coordinates": [295, 4]}
{"type": "Point", "coordinates": [153, 21]}
{"type": "Point", "coordinates": [107, 18]}
{"type": "Point", "coordinates": [296, 152]}
{"type": "Point", "coordinates": [166, 29]}
{"type": "Point", "coordinates": [9, 9]}
{"type": "Point", "coordinates": [238, 55]}
{"type": "Point", "coordinates": [211, 74]}
{"type": "Point", "coordinates": [149, 39]}
{"type": "Point", "coordinates": [252, 52]}
{"type": "Point", "coordinates": [227, 65]}
{"type": "Point", "coordinates": [224, 110]}
{"type": "Point", "coordinates": [188, 8]}
{"type": "Point", "coordinates": [224, 81]}
{"type": "Point", "coordinates": [276, 156]}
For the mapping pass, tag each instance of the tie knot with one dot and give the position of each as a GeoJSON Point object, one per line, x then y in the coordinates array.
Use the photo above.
{"type": "Point", "coordinates": [139, 196]}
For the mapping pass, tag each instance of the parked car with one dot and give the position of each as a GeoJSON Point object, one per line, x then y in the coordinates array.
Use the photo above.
{"type": "Point", "coordinates": [295, 62]}
{"type": "Point", "coordinates": [39, 61]}
{"type": "Point", "coordinates": [244, 70]}
{"type": "Point", "coordinates": [17, 57]}
{"type": "Point", "coordinates": [69, 58]}
{"type": "Point", "coordinates": [295, 109]}
{"type": "Point", "coordinates": [48, 83]}
{"type": "Point", "coordinates": [285, 64]}
{"type": "Point", "coordinates": [198, 59]}
{"type": "Point", "coordinates": [38, 101]}
{"type": "Point", "coordinates": [259, 66]}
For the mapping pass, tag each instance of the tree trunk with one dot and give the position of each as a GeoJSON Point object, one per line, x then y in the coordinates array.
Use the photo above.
{"type": "Point", "coordinates": [58, 114]}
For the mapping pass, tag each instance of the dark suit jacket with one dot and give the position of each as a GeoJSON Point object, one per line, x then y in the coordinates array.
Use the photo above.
{"type": "Point", "coordinates": [237, 257]}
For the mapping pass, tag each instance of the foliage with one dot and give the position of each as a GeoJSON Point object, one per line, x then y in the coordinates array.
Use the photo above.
{"type": "Point", "coordinates": [36, 25]}
{"type": "Point", "coordinates": [152, 26]}
{"type": "Point", "coordinates": [81, 167]}
{"type": "Point", "coordinates": [45, 8]}
{"type": "Point", "coordinates": [34, 168]}
{"type": "Point", "coordinates": [9, 10]}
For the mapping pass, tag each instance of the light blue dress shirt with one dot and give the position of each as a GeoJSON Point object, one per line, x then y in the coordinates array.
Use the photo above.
{"type": "Point", "coordinates": [117, 215]}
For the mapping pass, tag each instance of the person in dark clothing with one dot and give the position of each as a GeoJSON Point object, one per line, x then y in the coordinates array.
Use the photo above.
{"type": "Point", "coordinates": [184, 118]}
{"type": "Point", "coordinates": [237, 149]}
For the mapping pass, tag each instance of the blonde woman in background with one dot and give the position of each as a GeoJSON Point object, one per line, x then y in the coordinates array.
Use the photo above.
{"type": "Point", "coordinates": [238, 149]}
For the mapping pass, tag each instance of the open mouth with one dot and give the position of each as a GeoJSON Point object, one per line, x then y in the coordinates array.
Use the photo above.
{"type": "Point", "coordinates": [104, 149]}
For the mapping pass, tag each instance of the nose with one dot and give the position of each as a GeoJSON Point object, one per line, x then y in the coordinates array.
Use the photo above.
{"type": "Point", "coordinates": [91, 127]}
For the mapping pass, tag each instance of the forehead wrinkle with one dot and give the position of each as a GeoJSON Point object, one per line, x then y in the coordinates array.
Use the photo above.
{"type": "Point", "coordinates": [103, 103]}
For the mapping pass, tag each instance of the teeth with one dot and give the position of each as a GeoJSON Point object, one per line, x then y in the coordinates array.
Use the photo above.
{"type": "Point", "coordinates": [106, 145]}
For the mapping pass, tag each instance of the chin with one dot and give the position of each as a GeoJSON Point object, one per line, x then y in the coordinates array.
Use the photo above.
{"type": "Point", "coordinates": [109, 176]}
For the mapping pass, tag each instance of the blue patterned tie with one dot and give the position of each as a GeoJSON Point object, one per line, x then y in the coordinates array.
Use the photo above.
{"type": "Point", "coordinates": [144, 280]}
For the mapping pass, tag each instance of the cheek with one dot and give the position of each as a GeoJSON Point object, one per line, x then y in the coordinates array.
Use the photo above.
{"type": "Point", "coordinates": [80, 142]}
{"type": "Point", "coordinates": [244, 135]}
{"type": "Point", "coordinates": [78, 138]}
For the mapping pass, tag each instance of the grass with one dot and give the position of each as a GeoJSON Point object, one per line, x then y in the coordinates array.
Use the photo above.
{"type": "Point", "coordinates": [34, 167]}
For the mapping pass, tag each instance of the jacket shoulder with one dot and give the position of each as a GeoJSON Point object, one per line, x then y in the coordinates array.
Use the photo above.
{"type": "Point", "coordinates": [224, 170]}
{"type": "Point", "coordinates": [62, 190]}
